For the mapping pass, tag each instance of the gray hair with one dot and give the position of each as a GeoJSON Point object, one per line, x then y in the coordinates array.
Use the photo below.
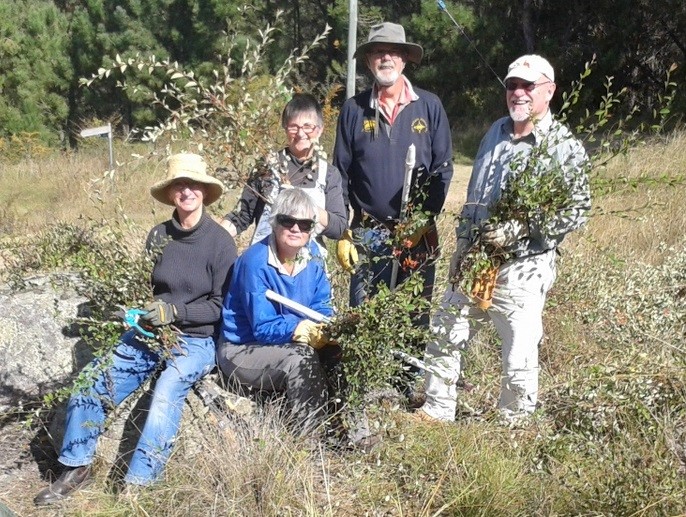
{"type": "Point", "coordinates": [294, 202]}
{"type": "Point", "coordinates": [302, 104]}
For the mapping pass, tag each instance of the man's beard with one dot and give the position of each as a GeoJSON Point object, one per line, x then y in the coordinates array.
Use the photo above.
{"type": "Point", "coordinates": [517, 114]}
{"type": "Point", "coordinates": [384, 79]}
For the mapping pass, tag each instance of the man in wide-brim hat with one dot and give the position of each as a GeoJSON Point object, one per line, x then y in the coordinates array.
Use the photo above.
{"type": "Point", "coordinates": [390, 35]}
{"type": "Point", "coordinates": [375, 129]}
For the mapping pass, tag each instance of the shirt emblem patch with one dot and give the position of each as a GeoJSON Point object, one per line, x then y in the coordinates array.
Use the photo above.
{"type": "Point", "coordinates": [419, 126]}
{"type": "Point", "coordinates": [368, 125]}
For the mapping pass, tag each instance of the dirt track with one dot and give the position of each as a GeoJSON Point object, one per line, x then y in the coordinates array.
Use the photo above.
{"type": "Point", "coordinates": [458, 187]}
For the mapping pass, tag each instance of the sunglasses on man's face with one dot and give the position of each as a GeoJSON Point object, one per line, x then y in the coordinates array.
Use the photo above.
{"type": "Point", "coordinates": [304, 225]}
{"type": "Point", "coordinates": [528, 86]}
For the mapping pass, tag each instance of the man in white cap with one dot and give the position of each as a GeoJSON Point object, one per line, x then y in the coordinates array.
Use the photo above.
{"type": "Point", "coordinates": [375, 129]}
{"type": "Point", "coordinates": [528, 137]}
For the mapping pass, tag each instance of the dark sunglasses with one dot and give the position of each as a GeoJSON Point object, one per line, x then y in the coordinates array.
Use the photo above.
{"type": "Point", "coordinates": [182, 184]}
{"type": "Point", "coordinates": [304, 225]}
{"type": "Point", "coordinates": [523, 85]}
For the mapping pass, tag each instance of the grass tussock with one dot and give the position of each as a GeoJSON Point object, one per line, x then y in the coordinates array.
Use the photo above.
{"type": "Point", "coordinates": [609, 438]}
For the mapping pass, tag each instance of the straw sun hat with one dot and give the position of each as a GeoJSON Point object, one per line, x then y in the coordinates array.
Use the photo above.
{"type": "Point", "coordinates": [191, 167]}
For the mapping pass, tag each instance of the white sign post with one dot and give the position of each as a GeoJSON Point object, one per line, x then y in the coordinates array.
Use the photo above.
{"type": "Point", "coordinates": [352, 45]}
{"type": "Point", "coordinates": [101, 130]}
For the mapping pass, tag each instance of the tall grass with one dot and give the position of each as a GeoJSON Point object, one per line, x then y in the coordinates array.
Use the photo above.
{"type": "Point", "coordinates": [609, 439]}
{"type": "Point", "coordinates": [70, 185]}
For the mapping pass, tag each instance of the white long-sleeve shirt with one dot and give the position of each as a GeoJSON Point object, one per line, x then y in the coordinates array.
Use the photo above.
{"type": "Point", "coordinates": [550, 148]}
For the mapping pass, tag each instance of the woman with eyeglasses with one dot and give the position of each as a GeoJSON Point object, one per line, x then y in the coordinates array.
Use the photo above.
{"type": "Point", "coordinates": [302, 163]}
{"type": "Point", "coordinates": [265, 345]}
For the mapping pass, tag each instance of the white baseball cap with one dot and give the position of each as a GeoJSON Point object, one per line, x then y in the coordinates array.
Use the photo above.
{"type": "Point", "coordinates": [530, 68]}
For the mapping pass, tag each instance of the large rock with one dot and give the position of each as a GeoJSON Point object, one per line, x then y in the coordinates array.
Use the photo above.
{"type": "Point", "coordinates": [40, 347]}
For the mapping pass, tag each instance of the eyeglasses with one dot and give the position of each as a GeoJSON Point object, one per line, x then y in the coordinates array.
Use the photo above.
{"type": "Point", "coordinates": [395, 53]}
{"type": "Point", "coordinates": [183, 184]}
{"type": "Point", "coordinates": [523, 85]}
{"type": "Point", "coordinates": [304, 225]}
{"type": "Point", "coordinates": [294, 129]}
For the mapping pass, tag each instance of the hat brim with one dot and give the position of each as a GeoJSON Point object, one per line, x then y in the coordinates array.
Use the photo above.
{"type": "Point", "coordinates": [214, 189]}
{"type": "Point", "coordinates": [524, 72]}
{"type": "Point", "coordinates": [414, 52]}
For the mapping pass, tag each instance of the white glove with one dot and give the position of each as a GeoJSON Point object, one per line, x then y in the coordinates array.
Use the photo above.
{"type": "Point", "coordinates": [504, 235]}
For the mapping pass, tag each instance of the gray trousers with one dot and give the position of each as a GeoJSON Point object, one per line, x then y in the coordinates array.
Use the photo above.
{"type": "Point", "coordinates": [293, 369]}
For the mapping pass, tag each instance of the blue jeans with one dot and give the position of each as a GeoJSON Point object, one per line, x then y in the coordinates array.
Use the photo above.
{"type": "Point", "coordinates": [125, 368]}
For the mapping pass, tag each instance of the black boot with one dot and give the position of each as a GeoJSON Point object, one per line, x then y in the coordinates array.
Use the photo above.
{"type": "Point", "coordinates": [71, 479]}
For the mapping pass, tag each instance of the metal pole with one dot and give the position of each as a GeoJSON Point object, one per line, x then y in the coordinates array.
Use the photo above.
{"type": "Point", "coordinates": [109, 139]}
{"type": "Point", "coordinates": [352, 45]}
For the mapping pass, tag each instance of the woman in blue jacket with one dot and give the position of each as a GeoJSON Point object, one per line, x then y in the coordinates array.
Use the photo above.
{"type": "Point", "coordinates": [267, 345]}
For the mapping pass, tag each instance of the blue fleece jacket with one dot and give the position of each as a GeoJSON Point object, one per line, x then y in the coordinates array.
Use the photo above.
{"type": "Point", "coordinates": [248, 316]}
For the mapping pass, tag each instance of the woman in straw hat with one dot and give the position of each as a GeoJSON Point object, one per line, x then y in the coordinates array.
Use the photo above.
{"type": "Point", "coordinates": [192, 256]}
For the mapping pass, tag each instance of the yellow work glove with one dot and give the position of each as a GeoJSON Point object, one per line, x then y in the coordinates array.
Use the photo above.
{"type": "Point", "coordinates": [310, 333]}
{"type": "Point", "coordinates": [346, 251]}
{"type": "Point", "coordinates": [413, 239]}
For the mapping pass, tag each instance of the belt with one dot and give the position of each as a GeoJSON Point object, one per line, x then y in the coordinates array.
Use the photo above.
{"type": "Point", "coordinates": [366, 220]}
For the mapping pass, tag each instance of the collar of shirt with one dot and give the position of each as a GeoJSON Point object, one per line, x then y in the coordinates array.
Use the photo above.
{"type": "Point", "coordinates": [542, 127]}
{"type": "Point", "coordinates": [301, 259]}
{"type": "Point", "coordinates": [300, 163]}
{"type": "Point", "coordinates": [300, 173]}
{"type": "Point", "coordinates": [407, 95]}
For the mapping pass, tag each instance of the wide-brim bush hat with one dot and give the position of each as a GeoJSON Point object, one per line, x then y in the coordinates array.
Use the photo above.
{"type": "Point", "coordinates": [530, 68]}
{"type": "Point", "coordinates": [191, 167]}
{"type": "Point", "coordinates": [388, 33]}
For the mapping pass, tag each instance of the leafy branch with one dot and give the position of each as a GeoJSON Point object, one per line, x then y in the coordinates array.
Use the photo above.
{"type": "Point", "coordinates": [231, 116]}
{"type": "Point", "coordinates": [369, 363]}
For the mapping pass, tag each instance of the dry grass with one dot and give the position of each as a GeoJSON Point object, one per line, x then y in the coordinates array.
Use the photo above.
{"type": "Point", "coordinates": [610, 438]}
{"type": "Point", "coordinates": [71, 185]}
{"type": "Point", "coordinates": [643, 212]}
